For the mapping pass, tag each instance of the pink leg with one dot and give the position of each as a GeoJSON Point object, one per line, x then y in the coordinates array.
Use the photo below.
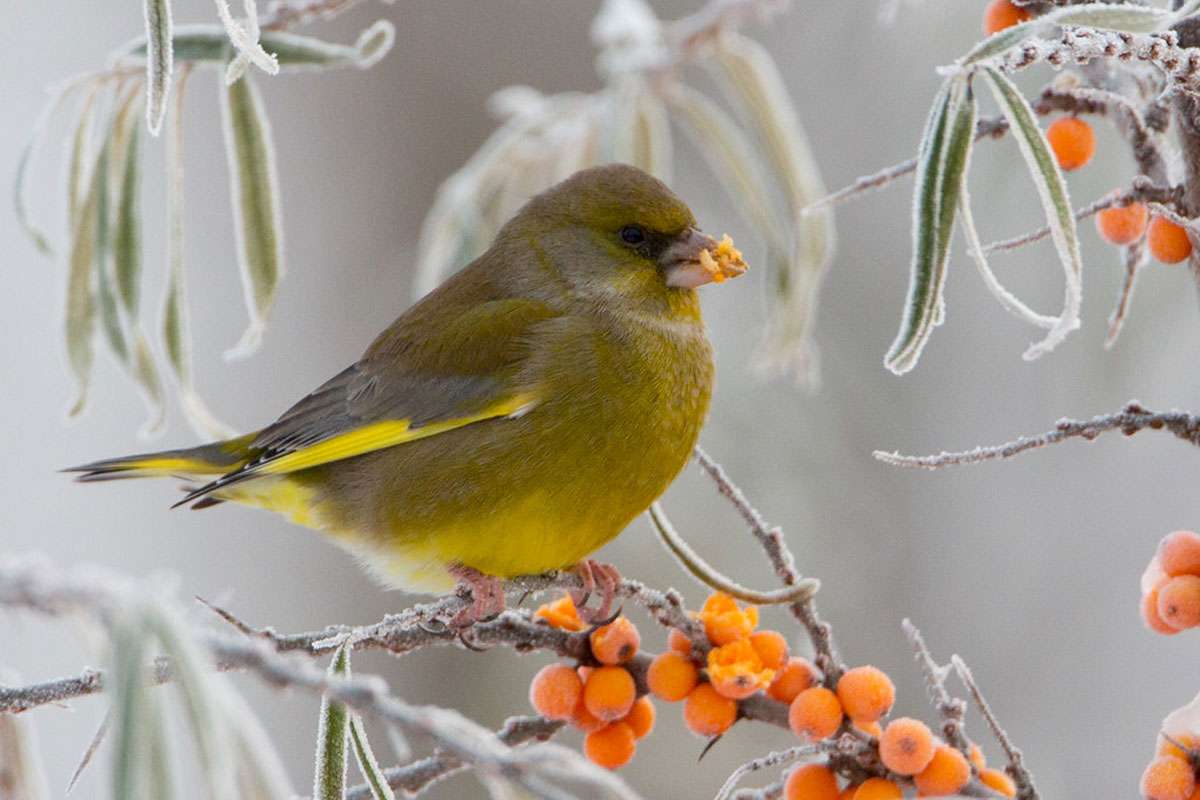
{"type": "Point", "coordinates": [487, 597]}
{"type": "Point", "coordinates": [596, 576]}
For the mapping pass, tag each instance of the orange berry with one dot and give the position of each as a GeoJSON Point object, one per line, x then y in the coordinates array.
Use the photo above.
{"type": "Point", "coordinates": [672, 676]}
{"type": "Point", "coordinates": [736, 671]}
{"type": "Point", "coordinates": [870, 728]}
{"type": "Point", "coordinates": [1168, 242]}
{"type": "Point", "coordinates": [878, 789]}
{"type": "Point", "coordinates": [611, 746]}
{"type": "Point", "coordinates": [975, 756]}
{"type": "Point", "coordinates": [678, 641]}
{"type": "Point", "coordinates": [771, 647]}
{"type": "Point", "coordinates": [906, 746]}
{"type": "Point", "coordinates": [1150, 614]}
{"type": "Point", "coordinates": [848, 792]}
{"type": "Point", "coordinates": [1168, 778]}
{"type": "Point", "coordinates": [811, 782]}
{"type": "Point", "coordinates": [641, 717]}
{"type": "Point", "coordinates": [1073, 142]}
{"type": "Point", "coordinates": [867, 693]}
{"type": "Point", "coordinates": [1179, 553]}
{"type": "Point", "coordinates": [1001, 14]}
{"type": "Point", "coordinates": [555, 691]}
{"type": "Point", "coordinates": [1179, 602]}
{"type": "Point", "coordinates": [796, 676]}
{"type": "Point", "coordinates": [708, 713]}
{"type": "Point", "coordinates": [561, 614]}
{"type": "Point", "coordinates": [1122, 224]}
{"type": "Point", "coordinates": [616, 642]}
{"type": "Point", "coordinates": [585, 720]}
{"type": "Point", "coordinates": [1166, 747]}
{"type": "Point", "coordinates": [609, 693]}
{"type": "Point", "coordinates": [999, 781]}
{"type": "Point", "coordinates": [724, 622]}
{"type": "Point", "coordinates": [815, 714]}
{"type": "Point", "coordinates": [946, 773]}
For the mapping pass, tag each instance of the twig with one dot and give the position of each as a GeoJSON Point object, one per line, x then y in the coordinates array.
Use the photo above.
{"type": "Point", "coordinates": [1016, 765]}
{"type": "Point", "coordinates": [1135, 258]}
{"type": "Point", "coordinates": [771, 539]}
{"type": "Point", "coordinates": [951, 709]}
{"type": "Point", "coordinates": [292, 13]}
{"type": "Point", "coordinates": [1129, 420]}
{"type": "Point", "coordinates": [770, 760]}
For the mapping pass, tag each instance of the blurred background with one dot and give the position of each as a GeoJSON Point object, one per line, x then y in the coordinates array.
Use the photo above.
{"type": "Point", "coordinates": [1028, 569]}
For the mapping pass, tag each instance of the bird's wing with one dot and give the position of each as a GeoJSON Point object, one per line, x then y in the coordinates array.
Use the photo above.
{"type": "Point", "coordinates": [420, 378]}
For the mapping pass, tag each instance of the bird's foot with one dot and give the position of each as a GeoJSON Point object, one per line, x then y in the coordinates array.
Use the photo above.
{"type": "Point", "coordinates": [487, 598]}
{"type": "Point", "coordinates": [596, 577]}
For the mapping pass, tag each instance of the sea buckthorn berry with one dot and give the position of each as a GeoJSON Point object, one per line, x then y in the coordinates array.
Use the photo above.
{"type": "Point", "coordinates": [1179, 602]}
{"type": "Point", "coordinates": [946, 773]}
{"type": "Point", "coordinates": [585, 720]}
{"type": "Point", "coordinates": [815, 714]}
{"type": "Point", "coordinates": [1168, 778]}
{"type": "Point", "coordinates": [640, 718]}
{"type": "Point", "coordinates": [1122, 224]}
{"type": "Point", "coordinates": [975, 756]}
{"type": "Point", "coordinates": [612, 746]}
{"type": "Point", "coordinates": [1073, 142]}
{"type": "Point", "coordinates": [609, 693]}
{"type": "Point", "coordinates": [1150, 614]}
{"type": "Point", "coordinates": [1001, 14]}
{"type": "Point", "coordinates": [867, 693]}
{"type": "Point", "coordinates": [678, 641]}
{"type": "Point", "coordinates": [672, 676]}
{"type": "Point", "coordinates": [771, 647]}
{"type": "Point", "coordinates": [999, 781]}
{"type": "Point", "coordinates": [736, 671]}
{"type": "Point", "coordinates": [878, 789]}
{"type": "Point", "coordinates": [555, 691]}
{"type": "Point", "coordinates": [906, 746]}
{"type": "Point", "coordinates": [811, 782]}
{"type": "Point", "coordinates": [1183, 745]}
{"type": "Point", "coordinates": [616, 642]}
{"type": "Point", "coordinates": [796, 676]}
{"type": "Point", "coordinates": [870, 728]}
{"type": "Point", "coordinates": [562, 614]}
{"type": "Point", "coordinates": [707, 712]}
{"type": "Point", "coordinates": [848, 792]}
{"type": "Point", "coordinates": [1168, 242]}
{"type": "Point", "coordinates": [1179, 553]}
{"type": "Point", "coordinates": [724, 622]}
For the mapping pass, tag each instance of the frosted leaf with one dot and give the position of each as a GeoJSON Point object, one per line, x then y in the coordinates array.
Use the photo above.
{"type": "Point", "coordinates": [1184, 721]}
{"type": "Point", "coordinates": [1154, 575]}
{"type": "Point", "coordinates": [625, 24]}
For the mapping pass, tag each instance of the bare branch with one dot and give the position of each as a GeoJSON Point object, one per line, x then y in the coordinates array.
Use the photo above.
{"type": "Point", "coordinates": [1135, 257]}
{"type": "Point", "coordinates": [770, 760]}
{"type": "Point", "coordinates": [950, 708]}
{"type": "Point", "coordinates": [1016, 766]}
{"type": "Point", "coordinates": [1129, 420]}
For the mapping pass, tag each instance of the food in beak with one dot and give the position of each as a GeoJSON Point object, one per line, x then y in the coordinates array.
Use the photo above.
{"type": "Point", "coordinates": [724, 261]}
{"type": "Point", "coordinates": [697, 259]}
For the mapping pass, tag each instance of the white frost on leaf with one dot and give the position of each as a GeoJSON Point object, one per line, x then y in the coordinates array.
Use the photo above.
{"type": "Point", "coordinates": [1184, 721]}
{"type": "Point", "coordinates": [1154, 575]}
{"type": "Point", "coordinates": [245, 39]}
{"type": "Point", "coordinates": [629, 37]}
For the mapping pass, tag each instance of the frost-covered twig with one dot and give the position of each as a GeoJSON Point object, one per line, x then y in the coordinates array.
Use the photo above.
{"type": "Point", "coordinates": [771, 760]}
{"type": "Point", "coordinates": [951, 709]}
{"type": "Point", "coordinates": [1016, 765]}
{"type": "Point", "coordinates": [1129, 420]}
{"type": "Point", "coordinates": [1134, 257]}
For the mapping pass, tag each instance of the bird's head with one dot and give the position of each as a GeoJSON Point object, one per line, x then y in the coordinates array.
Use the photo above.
{"type": "Point", "coordinates": [615, 232]}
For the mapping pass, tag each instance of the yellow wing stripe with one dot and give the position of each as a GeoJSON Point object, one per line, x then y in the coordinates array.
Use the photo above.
{"type": "Point", "coordinates": [379, 435]}
{"type": "Point", "coordinates": [165, 466]}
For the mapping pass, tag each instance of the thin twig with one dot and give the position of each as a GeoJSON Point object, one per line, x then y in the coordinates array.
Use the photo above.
{"type": "Point", "coordinates": [1016, 765]}
{"type": "Point", "coordinates": [1134, 257]}
{"type": "Point", "coordinates": [770, 760]}
{"type": "Point", "coordinates": [1129, 420]}
{"type": "Point", "coordinates": [951, 709]}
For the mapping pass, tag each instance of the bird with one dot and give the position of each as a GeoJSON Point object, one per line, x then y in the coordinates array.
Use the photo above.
{"type": "Point", "coordinates": [513, 420]}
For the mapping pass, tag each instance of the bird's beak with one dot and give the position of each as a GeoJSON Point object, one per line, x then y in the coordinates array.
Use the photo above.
{"type": "Point", "coordinates": [695, 258]}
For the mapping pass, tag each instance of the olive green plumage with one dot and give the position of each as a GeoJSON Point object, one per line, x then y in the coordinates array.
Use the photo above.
{"type": "Point", "coordinates": [512, 421]}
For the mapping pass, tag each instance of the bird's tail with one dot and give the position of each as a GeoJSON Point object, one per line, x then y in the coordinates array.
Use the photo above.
{"type": "Point", "coordinates": [217, 458]}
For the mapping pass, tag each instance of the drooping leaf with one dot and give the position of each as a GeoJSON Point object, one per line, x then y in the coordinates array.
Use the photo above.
{"type": "Point", "coordinates": [130, 700]}
{"type": "Point", "coordinates": [329, 774]}
{"type": "Point", "coordinates": [159, 61]}
{"type": "Point", "coordinates": [1052, 192]}
{"type": "Point", "coordinates": [652, 145]}
{"type": "Point", "coordinates": [245, 37]}
{"type": "Point", "coordinates": [941, 162]}
{"type": "Point", "coordinates": [250, 155]}
{"type": "Point", "coordinates": [21, 773]}
{"type": "Point", "coordinates": [368, 765]}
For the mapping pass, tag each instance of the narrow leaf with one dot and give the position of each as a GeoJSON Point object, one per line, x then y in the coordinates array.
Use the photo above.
{"type": "Point", "coordinates": [21, 773]}
{"type": "Point", "coordinates": [250, 155]}
{"type": "Point", "coordinates": [208, 44]}
{"type": "Point", "coordinates": [159, 61]}
{"type": "Point", "coordinates": [245, 37]}
{"type": "Point", "coordinates": [21, 179]}
{"type": "Point", "coordinates": [80, 318]}
{"type": "Point", "coordinates": [652, 145]}
{"type": "Point", "coordinates": [367, 763]}
{"type": "Point", "coordinates": [129, 698]}
{"type": "Point", "coordinates": [944, 152]}
{"type": "Point", "coordinates": [260, 772]}
{"type": "Point", "coordinates": [329, 779]}
{"type": "Point", "coordinates": [1052, 191]}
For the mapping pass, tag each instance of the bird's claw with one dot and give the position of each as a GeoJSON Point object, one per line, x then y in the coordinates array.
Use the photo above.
{"type": "Point", "coordinates": [595, 576]}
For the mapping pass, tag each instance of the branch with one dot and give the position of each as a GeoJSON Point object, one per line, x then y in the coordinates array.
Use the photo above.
{"type": "Point", "coordinates": [950, 708]}
{"type": "Point", "coordinates": [1129, 420]}
{"type": "Point", "coordinates": [1016, 765]}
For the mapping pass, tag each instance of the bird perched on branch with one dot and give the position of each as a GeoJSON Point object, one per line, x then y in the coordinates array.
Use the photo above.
{"type": "Point", "coordinates": [513, 420]}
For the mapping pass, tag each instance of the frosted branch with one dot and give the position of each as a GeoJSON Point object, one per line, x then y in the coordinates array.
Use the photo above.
{"type": "Point", "coordinates": [1016, 765]}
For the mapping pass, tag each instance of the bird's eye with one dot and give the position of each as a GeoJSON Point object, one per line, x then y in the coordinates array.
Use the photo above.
{"type": "Point", "coordinates": [632, 234]}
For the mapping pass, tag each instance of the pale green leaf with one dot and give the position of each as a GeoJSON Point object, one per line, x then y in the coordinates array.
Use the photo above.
{"type": "Point", "coordinates": [329, 778]}
{"type": "Point", "coordinates": [80, 317]}
{"type": "Point", "coordinates": [159, 61]}
{"type": "Point", "coordinates": [367, 763]}
{"type": "Point", "coordinates": [250, 155]}
{"type": "Point", "coordinates": [129, 698]}
{"type": "Point", "coordinates": [21, 774]}
{"type": "Point", "coordinates": [1052, 192]}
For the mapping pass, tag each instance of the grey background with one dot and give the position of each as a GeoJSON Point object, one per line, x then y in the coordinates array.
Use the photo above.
{"type": "Point", "coordinates": [1028, 569]}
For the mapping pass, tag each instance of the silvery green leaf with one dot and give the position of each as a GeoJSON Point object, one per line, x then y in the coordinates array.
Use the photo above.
{"type": "Point", "coordinates": [1003, 41]}
{"type": "Point", "coordinates": [245, 35]}
{"type": "Point", "coordinates": [1113, 16]}
{"type": "Point", "coordinates": [126, 678]}
{"type": "Point", "coordinates": [941, 163]}
{"type": "Point", "coordinates": [250, 155]}
{"type": "Point", "coordinates": [1052, 191]}
{"type": "Point", "coordinates": [159, 61]}
{"type": "Point", "coordinates": [652, 146]}
{"type": "Point", "coordinates": [80, 142]}
{"type": "Point", "coordinates": [21, 774]}
{"type": "Point", "coordinates": [25, 161]}
{"type": "Point", "coordinates": [329, 774]}
{"type": "Point", "coordinates": [260, 773]}
{"type": "Point", "coordinates": [367, 763]}
{"type": "Point", "coordinates": [80, 318]}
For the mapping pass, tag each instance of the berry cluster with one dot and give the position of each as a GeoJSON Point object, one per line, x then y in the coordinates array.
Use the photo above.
{"type": "Point", "coordinates": [1171, 584]}
{"type": "Point", "coordinates": [1172, 774]}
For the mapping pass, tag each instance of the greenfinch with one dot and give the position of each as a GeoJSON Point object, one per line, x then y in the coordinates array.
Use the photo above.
{"type": "Point", "coordinates": [510, 422]}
